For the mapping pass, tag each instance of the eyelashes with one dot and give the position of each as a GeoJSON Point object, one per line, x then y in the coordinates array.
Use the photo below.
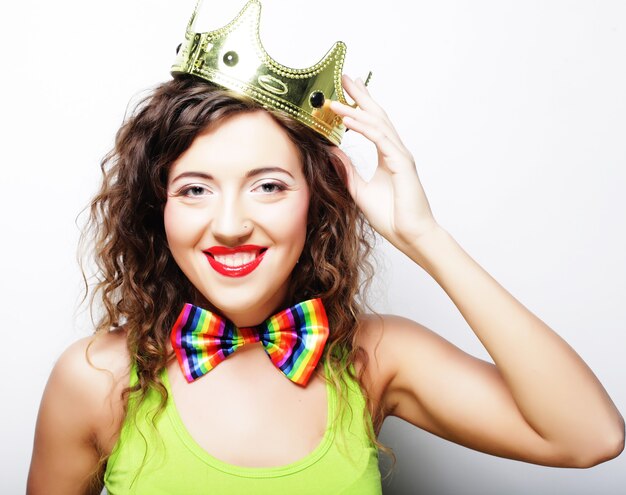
{"type": "Point", "coordinates": [274, 187]}
{"type": "Point", "coordinates": [193, 191]}
{"type": "Point", "coordinates": [200, 190]}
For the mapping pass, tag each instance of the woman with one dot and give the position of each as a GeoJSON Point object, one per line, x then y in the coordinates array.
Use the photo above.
{"type": "Point", "coordinates": [212, 200]}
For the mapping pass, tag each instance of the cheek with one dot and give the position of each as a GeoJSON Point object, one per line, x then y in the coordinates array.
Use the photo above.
{"type": "Point", "coordinates": [288, 222]}
{"type": "Point", "coordinates": [300, 215]}
{"type": "Point", "coordinates": [182, 228]}
{"type": "Point", "coordinates": [295, 222]}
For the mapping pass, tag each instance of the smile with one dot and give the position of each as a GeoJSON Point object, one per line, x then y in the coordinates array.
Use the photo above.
{"type": "Point", "coordinates": [235, 262]}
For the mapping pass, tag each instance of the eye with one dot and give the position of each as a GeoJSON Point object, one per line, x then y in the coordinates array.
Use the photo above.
{"type": "Point", "coordinates": [193, 191]}
{"type": "Point", "coordinates": [270, 187]}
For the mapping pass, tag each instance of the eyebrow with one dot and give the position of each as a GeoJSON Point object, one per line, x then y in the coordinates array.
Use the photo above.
{"type": "Point", "coordinates": [250, 173]}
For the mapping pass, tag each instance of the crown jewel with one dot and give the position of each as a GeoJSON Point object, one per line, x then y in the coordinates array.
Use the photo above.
{"type": "Point", "coordinates": [233, 57]}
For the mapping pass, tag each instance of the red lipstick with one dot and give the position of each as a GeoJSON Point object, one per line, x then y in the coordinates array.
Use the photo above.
{"type": "Point", "coordinates": [235, 271]}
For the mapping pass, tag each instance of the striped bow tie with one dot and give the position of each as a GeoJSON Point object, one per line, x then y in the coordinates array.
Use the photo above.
{"type": "Point", "coordinates": [293, 339]}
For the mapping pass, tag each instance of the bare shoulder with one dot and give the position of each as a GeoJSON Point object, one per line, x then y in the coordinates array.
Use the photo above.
{"type": "Point", "coordinates": [80, 414]}
{"type": "Point", "coordinates": [93, 372]}
{"type": "Point", "coordinates": [92, 366]}
{"type": "Point", "coordinates": [377, 331]}
{"type": "Point", "coordinates": [105, 351]}
{"type": "Point", "coordinates": [382, 337]}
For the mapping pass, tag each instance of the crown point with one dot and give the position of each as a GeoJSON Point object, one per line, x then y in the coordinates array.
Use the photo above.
{"type": "Point", "coordinates": [233, 57]}
{"type": "Point", "coordinates": [253, 5]}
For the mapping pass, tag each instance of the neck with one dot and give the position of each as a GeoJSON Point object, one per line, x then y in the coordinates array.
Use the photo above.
{"type": "Point", "coordinates": [249, 316]}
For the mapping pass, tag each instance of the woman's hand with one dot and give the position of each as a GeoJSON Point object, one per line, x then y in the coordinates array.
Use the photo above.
{"type": "Point", "coordinates": [539, 401]}
{"type": "Point", "coordinates": [393, 201]}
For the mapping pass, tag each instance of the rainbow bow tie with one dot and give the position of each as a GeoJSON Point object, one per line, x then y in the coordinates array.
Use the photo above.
{"type": "Point", "coordinates": [293, 339]}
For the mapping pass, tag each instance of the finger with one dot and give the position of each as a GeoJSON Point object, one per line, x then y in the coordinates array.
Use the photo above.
{"type": "Point", "coordinates": [361, 119]}
{"type": "Point", "coordinates": [361, 95]}
{"type": "Point", "coordinates": [373, 114]}
{"type": "Point", "coordinates": [393, 154]}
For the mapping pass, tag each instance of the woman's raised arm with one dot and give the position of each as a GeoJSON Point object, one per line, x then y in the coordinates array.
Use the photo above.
{"type": "Point", "coordinates": [540, 402]}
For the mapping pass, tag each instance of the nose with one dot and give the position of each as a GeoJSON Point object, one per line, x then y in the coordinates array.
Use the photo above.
{"type": "Point", "coordinates": [230, 223]}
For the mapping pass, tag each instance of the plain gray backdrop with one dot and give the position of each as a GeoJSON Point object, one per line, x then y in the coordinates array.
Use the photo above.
{"type": "Point", "coordinates": [515, 113]}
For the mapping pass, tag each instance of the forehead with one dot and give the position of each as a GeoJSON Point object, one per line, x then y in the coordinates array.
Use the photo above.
{"type": "Point", "coordinates": [239, 143]}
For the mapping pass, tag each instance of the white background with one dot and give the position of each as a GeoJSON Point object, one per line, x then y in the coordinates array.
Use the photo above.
{"type": "Point", "coordinates": [515, 112]}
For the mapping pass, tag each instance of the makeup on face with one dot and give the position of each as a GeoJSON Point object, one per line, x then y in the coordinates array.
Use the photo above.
{"type": "Point", "coordinates": [236, 215]}
{"type": "Point", "coordinates": [235, 262]}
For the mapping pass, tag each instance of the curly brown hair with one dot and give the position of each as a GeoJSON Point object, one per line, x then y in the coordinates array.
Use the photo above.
{"type": "Point", "coordinates": [137, 280]}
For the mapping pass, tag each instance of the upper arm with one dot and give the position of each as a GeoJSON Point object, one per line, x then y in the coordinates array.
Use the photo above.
{"type": "Point", "coordinates": [77, 405]}
{"type": "Point", "coordinates": [438, 387]}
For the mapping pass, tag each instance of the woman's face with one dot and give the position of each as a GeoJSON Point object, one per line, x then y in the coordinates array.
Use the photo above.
{"type": "Point", "coordinates": [236, 215]}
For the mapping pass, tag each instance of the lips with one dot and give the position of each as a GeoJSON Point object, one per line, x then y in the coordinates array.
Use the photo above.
{"type": "Point", "coordinates": [235, 262]}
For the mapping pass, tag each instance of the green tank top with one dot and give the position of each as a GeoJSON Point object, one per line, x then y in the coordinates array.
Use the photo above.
{"type": "Point", "coordinates": [169, 461]}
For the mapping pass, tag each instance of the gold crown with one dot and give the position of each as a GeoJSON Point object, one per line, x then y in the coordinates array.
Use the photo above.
{"type": "Point", "coordinates": [233, 57]}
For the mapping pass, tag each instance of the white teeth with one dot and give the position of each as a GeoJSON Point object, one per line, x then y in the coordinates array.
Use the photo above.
{"type": "Point", "coordinates": [236, 259]}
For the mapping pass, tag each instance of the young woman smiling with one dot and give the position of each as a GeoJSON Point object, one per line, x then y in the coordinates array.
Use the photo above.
{"type": "Point", "coordinates": [231, 177]}
{"type": "Point", "coordinates": [239, 188]}
{"type": "Point", "coordinates": [213, 205]}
